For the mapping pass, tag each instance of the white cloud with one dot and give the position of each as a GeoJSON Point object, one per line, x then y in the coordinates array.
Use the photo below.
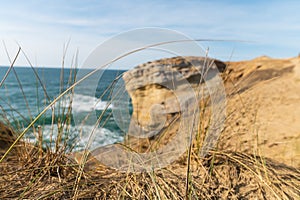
{"type": "Point", "coordinates": [42, 28]}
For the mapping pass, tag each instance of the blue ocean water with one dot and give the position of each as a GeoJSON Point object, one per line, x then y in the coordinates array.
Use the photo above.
{"type": "Point", "coordinates": [26, 92]}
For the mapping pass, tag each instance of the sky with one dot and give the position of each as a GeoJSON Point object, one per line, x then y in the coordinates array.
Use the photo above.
{"type": "Point", "coordinates": [44, 28]}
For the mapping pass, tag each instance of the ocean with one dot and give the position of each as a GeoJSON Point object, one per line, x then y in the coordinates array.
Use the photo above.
{"type": "Point", "coordinates": [26, 92]}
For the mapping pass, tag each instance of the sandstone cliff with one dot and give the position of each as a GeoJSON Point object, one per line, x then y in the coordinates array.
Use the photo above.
{"type": "Point", "coordinates": [162, 90]}
{"type": "Point", "coordinates": [262, 102]}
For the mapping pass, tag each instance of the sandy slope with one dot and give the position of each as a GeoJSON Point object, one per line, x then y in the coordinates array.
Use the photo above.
{"type": "Point", "coordinates": [264, 108]}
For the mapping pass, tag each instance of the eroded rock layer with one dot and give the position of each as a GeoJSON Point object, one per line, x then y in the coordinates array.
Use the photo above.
{"type": "Point", "coordinates": [163, 89]}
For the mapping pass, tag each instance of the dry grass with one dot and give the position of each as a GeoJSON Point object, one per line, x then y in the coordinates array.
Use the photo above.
{"type": "Point", "coordinates": [220, 175]}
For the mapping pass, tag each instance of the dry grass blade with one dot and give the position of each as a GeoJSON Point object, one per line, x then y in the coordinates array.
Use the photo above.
{"type": "Point", "coordinates": [228, 179]}
{"type": "Point", "coordinates": [18, 80]}
{"type": "Point", "coordinates": [11, 66]}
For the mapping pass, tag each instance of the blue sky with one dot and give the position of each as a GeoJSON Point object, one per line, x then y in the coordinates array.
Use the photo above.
{"type": "Point", "coordinates": [42, 27]}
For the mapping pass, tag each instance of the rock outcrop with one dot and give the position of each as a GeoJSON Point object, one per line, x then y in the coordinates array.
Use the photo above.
{"type": "Point", "coordinates": [176, 69]}
{"type": "Point", "coordinates": [162, 89]}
